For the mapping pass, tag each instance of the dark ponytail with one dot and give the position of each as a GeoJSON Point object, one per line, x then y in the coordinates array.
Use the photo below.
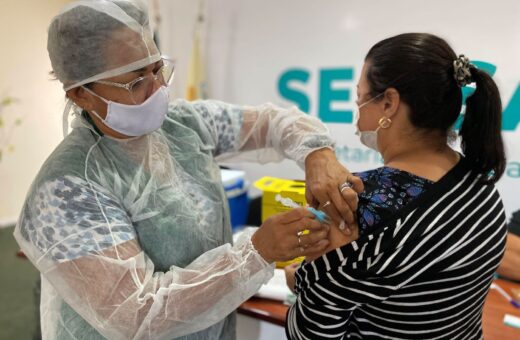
{"type": "Point", "coordinates": [481, 129]}
{"type": "Point", "coordinates": [428, 75]}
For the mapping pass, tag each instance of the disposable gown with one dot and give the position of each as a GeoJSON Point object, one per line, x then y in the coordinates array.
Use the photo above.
{"type": "Point", "coordinates": [132, 237]}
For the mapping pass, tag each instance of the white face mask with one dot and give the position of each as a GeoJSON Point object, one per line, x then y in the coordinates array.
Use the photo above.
{"type": "Point", "coordinates": [136, 120]}
{"type": "Point", "coordinates": [367, 138]}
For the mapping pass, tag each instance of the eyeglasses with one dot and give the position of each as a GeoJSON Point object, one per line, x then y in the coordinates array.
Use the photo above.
{"type": "Point", "coordinates": [139, 87]}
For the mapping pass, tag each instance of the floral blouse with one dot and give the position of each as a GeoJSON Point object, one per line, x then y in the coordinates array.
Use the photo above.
{"type": "Point", "coordinates": [387, 190]}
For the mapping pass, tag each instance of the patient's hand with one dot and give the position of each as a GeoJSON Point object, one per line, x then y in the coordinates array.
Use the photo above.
{"type": "Point", "coordinates": [290, 270]}
{"type": "Point", "coordinates": [337, 238]}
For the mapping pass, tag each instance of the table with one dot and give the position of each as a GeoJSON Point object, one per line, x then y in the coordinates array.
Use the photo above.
{"type": "Point", "coordinates": [495, 308]}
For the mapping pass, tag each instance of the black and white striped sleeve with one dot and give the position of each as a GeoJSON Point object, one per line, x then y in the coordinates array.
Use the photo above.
{"type": "Point", "coordinates": [395, 269]}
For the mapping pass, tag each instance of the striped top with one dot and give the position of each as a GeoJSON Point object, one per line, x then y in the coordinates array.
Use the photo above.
{"type": "Point", "coordinates": [422, 274]}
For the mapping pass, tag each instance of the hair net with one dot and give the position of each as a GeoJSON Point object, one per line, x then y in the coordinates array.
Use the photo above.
{"type": "Point", "coordinates": [97, 39]}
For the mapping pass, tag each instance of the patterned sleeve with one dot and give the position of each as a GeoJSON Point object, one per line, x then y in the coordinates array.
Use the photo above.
{"type": "Point", "coordinates": [82, 241]}
{"type": "Point", "coordinates": [264, 133]}
{"type": "Point", "coordinates": [63, 219]}
{"type": "Point", "coordinates": [387, 191]}
{"type": "Point", "coordinates": [224, 122]}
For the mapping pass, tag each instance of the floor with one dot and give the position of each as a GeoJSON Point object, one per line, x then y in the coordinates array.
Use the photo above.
{"type": "Point", "coordinates": [17, 282]}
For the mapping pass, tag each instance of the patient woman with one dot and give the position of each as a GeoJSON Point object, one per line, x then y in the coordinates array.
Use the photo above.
{"type": "Point", "coordinates": [431, 224]}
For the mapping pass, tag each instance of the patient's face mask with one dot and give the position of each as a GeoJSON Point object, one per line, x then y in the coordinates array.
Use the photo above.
{"type": "Point", "coordinates": [136, 120]}
{"type": "Point", "coordinates": [367, 138]}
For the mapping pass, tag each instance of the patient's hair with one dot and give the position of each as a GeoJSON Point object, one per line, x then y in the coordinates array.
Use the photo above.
{"type": "Point", "coordinates": [420, 67]}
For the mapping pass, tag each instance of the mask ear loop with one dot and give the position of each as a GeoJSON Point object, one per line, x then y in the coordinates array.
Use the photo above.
{"type": "Point", "coordinates": [69, 105]}
{"type": "Point", "coordinates": [96, 95]}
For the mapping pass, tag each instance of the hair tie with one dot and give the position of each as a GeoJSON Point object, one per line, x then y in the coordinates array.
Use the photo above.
{"type": "Point", "coordinates": [462, 73]}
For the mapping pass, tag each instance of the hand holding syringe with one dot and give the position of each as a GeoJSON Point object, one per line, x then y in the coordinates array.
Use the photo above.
{"type": "Point", "coordinates": [337, 236]}
{"type": "Point", "coordinates": [289, 203]}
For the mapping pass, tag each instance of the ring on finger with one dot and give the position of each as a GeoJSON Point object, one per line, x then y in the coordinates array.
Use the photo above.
{"type": "Point", "coordinates": [299, 234]}
{"type": "Point", "coordinates": [344, 186]}
{"type": "Point", "coordinates": [326, 204]}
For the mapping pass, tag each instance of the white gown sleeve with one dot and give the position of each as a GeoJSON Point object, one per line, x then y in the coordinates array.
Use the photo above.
{"type": "Point", "coordinates": [84, 244]}
{"type": "Point", "coordinates": [264, 133]}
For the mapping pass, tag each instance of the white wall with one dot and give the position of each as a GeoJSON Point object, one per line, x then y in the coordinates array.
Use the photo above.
{"type": "Point", "coordinates": [251, 43]}
{"type": "Point", "coordinates": [176, 34]}
{"type": "Point", "coordinates": [248, 44]}
{"type": "Point", "coordinates": [24, 74]}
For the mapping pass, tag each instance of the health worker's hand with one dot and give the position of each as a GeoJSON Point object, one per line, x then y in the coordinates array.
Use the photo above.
{"type": "Point", "coordinates": [280, 237]}
{"type": "Point", "coordinates": [331, 188]}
